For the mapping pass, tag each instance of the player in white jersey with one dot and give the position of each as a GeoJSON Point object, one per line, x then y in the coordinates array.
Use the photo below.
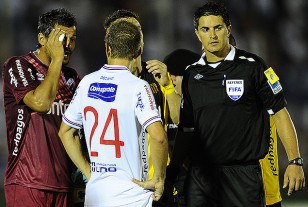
{"type": "Point", "coordinates": [114, 107]}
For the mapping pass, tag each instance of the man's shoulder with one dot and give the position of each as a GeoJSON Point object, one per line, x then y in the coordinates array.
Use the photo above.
{"type": "Point", "coordinates": [245, 55]}
{"type": "Point", "coordinates": [14, 59]}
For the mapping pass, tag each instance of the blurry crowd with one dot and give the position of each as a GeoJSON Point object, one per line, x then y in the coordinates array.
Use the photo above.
{"type": "Point", "coordinates": [276, 30]}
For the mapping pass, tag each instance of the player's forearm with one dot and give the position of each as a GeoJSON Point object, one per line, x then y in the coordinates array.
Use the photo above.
{"type": "Point", "coordinates": [42, 97]}
{"type": "Point", "coordinates": [287, 133]}
{"type": "Point", "coordinates": [174, 103]}
{"type": "Point", "coordinates": [72, 145]}
{"type": "Point", "coordinates": [159, 150]}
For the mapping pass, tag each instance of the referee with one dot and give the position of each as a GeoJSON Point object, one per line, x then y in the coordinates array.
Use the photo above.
{"type": "Point", "coordinates": [228, 97]}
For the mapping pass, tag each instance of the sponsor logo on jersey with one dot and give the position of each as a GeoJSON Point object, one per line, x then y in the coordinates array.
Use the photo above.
{"type": "Point", "coordinates": [271, 76]}
{"type": "Point", "coordinates": [273, 80]}
{"type": "Point", "coordinates": [102, 167]}
{"type": "Point", "coordinates": [13, 78]}
{"type": "Point", "coordinates": [103, 91]}
{"type": "Point", "coordinates": [21, 73]}
{"type": "Point", "coordinates": [139, 103]}
{"type": "Point", "coordinates": [276, 87]}
{"type": "Point", "coordinates": [144, 154]}
{"type": "Point", "coordinates": [198, 76]}
{"type": "Point", "coordinates": [235, 89]}
{"type": "Point", "coordinates": [19, 130]}
{"type": "Point", "coordinates": [58, 108]}
{"type": "Point", "coordinates": [106, 78]}
{"type": "Point", "coordinates": [40, 76]}
{"type": "Point", "coordinates": [70, 83]}
{"type": "Point", "coordinates": [271, 154]}
{"type": "Point", "coordinates": [150, 97]}
{"type": "Point", "coordinates": [31, 74]}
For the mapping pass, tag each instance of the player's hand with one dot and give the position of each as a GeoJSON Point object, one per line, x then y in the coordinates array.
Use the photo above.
{"type": "Point", "coordinates": [54, 44]}
{"type": "Point", "coordinates": [156, 186]}
{"type": "Point", "coordinates": [159, 71]}
{"type": "Point", "coordinates": [294, 177]}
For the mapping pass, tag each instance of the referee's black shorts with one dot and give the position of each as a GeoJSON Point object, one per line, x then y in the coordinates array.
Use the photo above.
{"type": "Point", "coordinates": [224, 186]}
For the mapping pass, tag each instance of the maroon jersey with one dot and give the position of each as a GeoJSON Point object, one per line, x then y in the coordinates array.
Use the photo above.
{"type": "Point", "coordinates": [37, 158]}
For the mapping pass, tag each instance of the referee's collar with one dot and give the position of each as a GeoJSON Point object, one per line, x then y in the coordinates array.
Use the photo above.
{"type": "Point", "coordinates": [229, 57]}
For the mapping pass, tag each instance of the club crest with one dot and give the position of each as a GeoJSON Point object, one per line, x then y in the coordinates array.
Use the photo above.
{"type": "Point", "coordinates": [235, 89]}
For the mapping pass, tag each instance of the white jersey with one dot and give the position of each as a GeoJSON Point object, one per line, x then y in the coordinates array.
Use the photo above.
{"type": "Point", "coordinates": [114, 107]}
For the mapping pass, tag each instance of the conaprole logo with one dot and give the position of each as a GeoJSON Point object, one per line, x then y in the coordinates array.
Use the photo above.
{"type": "Point", "coordinates": [103, 91]}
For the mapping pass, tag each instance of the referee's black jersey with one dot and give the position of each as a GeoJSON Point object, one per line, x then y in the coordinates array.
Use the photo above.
{"type": "Point", "coordinates": [229, 106]}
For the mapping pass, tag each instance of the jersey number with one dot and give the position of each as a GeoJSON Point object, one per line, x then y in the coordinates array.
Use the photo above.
{"type": "Point", "coordinates": [116, 142]}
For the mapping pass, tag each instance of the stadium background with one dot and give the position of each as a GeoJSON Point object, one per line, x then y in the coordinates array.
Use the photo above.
{"type": "Point", "coordinates": [276, 30]}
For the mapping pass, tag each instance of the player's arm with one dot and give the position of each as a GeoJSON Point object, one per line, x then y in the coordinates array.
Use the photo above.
{"type": "Point", "coordinates": [173, 100]}
{"type": "Point", "coordinates": [294, 175]}
{"type": "Point", "coordinates": [161, 75]}
{"type": "Point", "coordinates": [41, 98]}
{"type": "Point", "coordinates": [159, 152]}
{"type": "Point", "coordinates": [72, 145]}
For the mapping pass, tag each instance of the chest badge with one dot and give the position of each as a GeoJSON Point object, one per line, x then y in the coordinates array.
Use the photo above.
{"type": "Point", "coordinates": [235, 89]}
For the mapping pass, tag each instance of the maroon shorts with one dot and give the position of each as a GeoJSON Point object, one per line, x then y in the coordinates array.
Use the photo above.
{"type": "Point", "coordinates": [17, 195]}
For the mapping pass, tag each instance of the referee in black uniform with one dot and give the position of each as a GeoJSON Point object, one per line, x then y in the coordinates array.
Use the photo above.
{"type": "Point", "coordinates": [227, 100]}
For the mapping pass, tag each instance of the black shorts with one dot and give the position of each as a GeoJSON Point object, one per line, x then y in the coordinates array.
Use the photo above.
{"type": "Point", "coordinates": [224, 186]}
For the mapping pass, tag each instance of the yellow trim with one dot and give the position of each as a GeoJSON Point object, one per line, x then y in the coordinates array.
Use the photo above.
{"type": "Point", "coordinates": [169, 88]}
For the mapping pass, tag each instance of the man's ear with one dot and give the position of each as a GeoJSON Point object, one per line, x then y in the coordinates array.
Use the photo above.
{"type": "Point", "coordinates": [108, 50]}
{"type": "Point", "coordinates": [41, 39]}
{"type": "Point", "coordinates": [138, 53]}
{"type": "Point", "coordinates": [229, 28]}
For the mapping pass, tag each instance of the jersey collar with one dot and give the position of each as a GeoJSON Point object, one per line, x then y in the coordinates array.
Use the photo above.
{"type": "Point", "coordinates": [115, 68]}
{"type": "Point", "coordinates": [229, 57]}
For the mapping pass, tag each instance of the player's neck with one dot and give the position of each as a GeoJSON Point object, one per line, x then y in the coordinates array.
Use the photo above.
{"type": "Point", "coordinates": [42, 56]}
{"type": "Point", "coordinates": [120, 61]}
{"type": "Point", "coordinates": [213, 57]}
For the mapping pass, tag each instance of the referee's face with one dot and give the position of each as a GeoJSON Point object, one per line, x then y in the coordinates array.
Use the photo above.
{"type": "Point", "coordinates": [213, 34]}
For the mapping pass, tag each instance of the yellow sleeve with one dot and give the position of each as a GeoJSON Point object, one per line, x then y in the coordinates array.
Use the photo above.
{"type": "Point", "coordinates": [270, 169]}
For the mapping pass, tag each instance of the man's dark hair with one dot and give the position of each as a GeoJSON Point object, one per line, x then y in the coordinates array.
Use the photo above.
{"type": "Point", "coordinates": [212, 8]}
{"type": "Point", "coordinates": [232, 40]}
{"type": "Point", "coordinates": [121, 13]}
{"type": "Point", "coordinates": [60, 16]}
{"type": "Point", "coordinates": [179, 59]}
{"type": "Point", "coordinates": [124, 39]}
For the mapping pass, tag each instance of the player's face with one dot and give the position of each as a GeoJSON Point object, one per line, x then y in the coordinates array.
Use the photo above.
{"type": "Point", "coordinates": [69, 41]}
{"type": "Point", "coordinates": [213, 34]}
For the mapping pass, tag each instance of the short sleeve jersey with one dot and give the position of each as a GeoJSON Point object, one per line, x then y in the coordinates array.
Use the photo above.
{"type": "Point", "coordinates": [114, 107]}
{"type": "Point", "coordinates": [228, 107]}
{"type": "Point", "coordinates": [37, 158]}
{"type": "Point", "coordinates": [161, 104]}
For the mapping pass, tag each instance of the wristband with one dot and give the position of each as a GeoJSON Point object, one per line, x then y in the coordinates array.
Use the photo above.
{"type": "Point", "coordinates": [170, 87]}
{"type": "Point", "coordinates": [297, 161]}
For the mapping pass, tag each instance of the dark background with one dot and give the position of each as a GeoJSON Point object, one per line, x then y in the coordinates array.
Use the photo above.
{"type": "Point", "coordinates": [276, 30]}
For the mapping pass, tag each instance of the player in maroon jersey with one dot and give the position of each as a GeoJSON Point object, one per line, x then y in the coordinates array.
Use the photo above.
{"type": "Point", "coordinates": [37, 88]}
